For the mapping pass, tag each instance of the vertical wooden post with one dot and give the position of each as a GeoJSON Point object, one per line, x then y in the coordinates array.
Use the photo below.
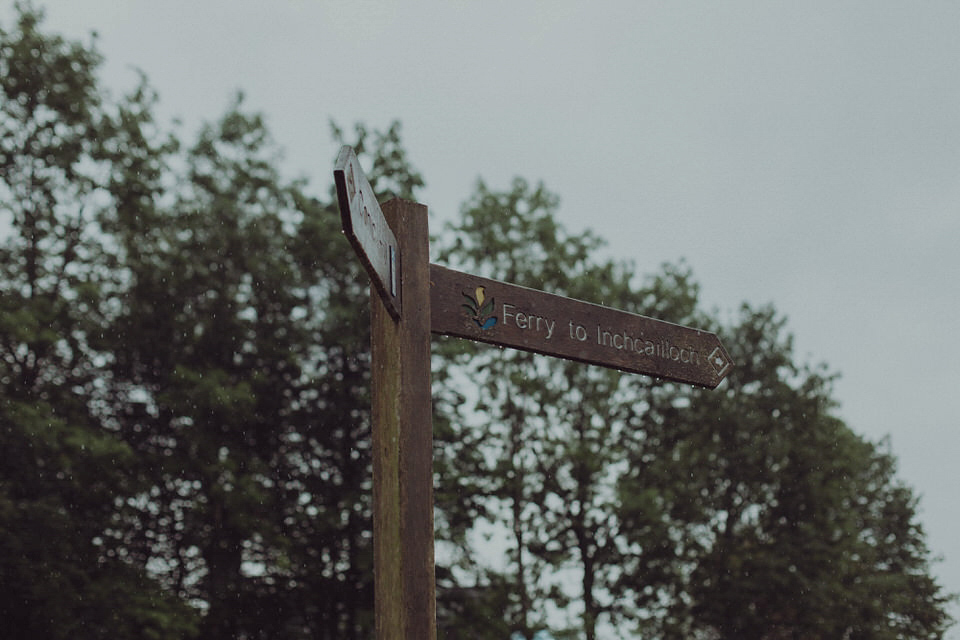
{"type": "Point", "coordinates": [405, 588]}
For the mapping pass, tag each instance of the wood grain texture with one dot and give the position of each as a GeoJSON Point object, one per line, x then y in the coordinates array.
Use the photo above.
{"type": "Point", "coordinates": [504, 314]}
{"type": "Point", "coordinates": [403, 441]}
{"type": "Point", "coordinates": [367, 229]}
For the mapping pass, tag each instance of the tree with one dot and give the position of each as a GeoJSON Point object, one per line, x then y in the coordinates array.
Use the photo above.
{"type": "Point", "coordinates": [185, 383]}
{"type": "Point", "coordinates": [208, 341]}
{"type": "Point", "coordinates": [63, 464]}
{"type": "Point", "coordinates": [547, 450]}
{"type": "Point", "coordinates": [781, 522]}
{"type": "Point", "coordinates": [239, 334]}
{"type": "Point", "coordinates": [751, 511]}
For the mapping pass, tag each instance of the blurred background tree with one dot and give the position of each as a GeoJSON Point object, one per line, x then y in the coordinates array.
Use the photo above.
{"type": "Point", "coordinates": [185, 380]}
{"type": "Point", "coordinates": [547, 434]}
{"type": "Point", "coordinates": [65, 468]}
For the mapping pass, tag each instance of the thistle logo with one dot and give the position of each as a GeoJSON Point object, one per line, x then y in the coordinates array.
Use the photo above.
{"type": "Point", "coordinates": [478, 311]}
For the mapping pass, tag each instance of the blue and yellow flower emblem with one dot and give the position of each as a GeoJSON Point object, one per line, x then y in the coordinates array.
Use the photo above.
{"type": "Point", "coordinates": [478, 310]}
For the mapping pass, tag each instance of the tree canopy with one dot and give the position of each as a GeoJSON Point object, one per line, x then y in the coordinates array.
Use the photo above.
{"type": "Point", "coordinates": [185, 430]}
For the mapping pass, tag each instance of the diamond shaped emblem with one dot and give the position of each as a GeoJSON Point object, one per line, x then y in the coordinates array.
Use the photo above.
{"type": "Point", "coordinates": [720, 361]}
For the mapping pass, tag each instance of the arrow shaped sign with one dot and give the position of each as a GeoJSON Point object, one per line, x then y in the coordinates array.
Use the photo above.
{"type": "Point", "coordinates": [367, 229]}
{"type": "Point", "coordinates": [468, 306]}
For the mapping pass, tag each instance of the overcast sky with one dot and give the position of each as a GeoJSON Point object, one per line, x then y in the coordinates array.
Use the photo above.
{"type": "Point", "coordinates": [804, 154]}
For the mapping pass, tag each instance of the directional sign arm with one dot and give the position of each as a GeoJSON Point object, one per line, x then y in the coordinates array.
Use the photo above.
{"type": "Point", "coordinates": [468, 306]}
{"type": "Point", "coordinates": [367, 229]}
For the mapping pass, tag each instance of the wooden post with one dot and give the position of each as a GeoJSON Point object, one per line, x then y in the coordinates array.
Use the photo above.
{"type": "Point", "coordinates": [393, 245]}
{"type": "Point", "coordinates": [405, 584]}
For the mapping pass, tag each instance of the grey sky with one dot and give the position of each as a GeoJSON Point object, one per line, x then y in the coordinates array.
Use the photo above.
{"type": "Point", "coordinates": [805, 154]}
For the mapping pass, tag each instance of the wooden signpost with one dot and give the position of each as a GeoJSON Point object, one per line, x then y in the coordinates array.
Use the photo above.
{"type": "Point", "coordinates": [393, 246]}
{"type": "Point", "coordinates": [504, 314]}
{"type": "Point", "coordinates": [367, 229]}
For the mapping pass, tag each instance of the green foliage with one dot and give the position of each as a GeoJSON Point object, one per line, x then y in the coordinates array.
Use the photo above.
{"type": "Point", "coordinates": [185, 383]}
{"type": "Point", "coordinates": [781, 525]}
{"type": "Point", "coordinates": [239, 331]}
{"type": "Point", "coordinates": [63, 464]}
{"type": "Point", "coordinates": [750, 511]}
{"type": "Point", "coordinates": [548, 445]}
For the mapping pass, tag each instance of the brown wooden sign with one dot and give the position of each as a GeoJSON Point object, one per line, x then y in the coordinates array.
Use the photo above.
{"type": "Point", "coordinates": [367, 229]}
{"type": "Point", "coordinates": [468, 306]}
{"type": "Point", "coordinates": [448, 302]}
